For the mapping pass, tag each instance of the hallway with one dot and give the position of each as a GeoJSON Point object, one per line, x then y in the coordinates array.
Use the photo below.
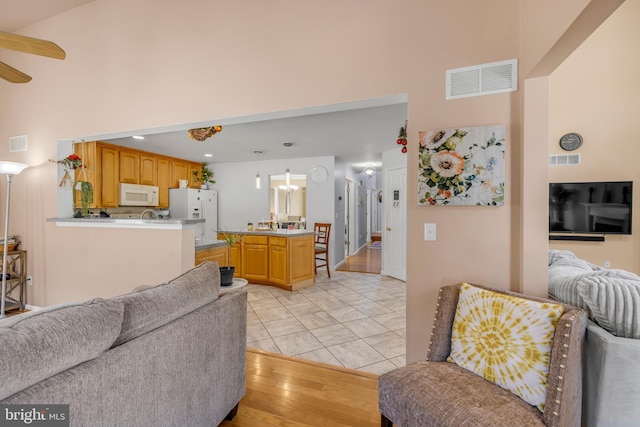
{"type": "Point", "coordinates": [366, 260]}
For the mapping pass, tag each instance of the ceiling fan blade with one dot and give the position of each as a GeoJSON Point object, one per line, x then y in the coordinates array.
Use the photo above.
{"type": "Point", "coordinates": [31, 45]}
{"type": "Point", "coordinates": [12, 75]}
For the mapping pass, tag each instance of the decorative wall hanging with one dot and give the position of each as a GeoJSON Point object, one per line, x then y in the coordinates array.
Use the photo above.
{"type": "Point", "coordinates": [462, 166]}
{"type": "Point", "coordinates": [402, 137]}
{"type": "Point", "coordinates": [200, 134]}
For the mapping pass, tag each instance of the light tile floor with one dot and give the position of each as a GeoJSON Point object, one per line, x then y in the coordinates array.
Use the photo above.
{"type": "Point", "coordinates": [354, 320]}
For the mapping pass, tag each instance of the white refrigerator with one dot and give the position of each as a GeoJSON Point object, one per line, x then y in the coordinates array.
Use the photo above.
{"type": "Point", "coordinates": [193, 203]}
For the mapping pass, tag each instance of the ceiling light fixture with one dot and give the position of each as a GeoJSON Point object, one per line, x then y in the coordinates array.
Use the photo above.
{"type": "Point", "coordinates": [208, 155]}
{"type": "Point", "coordinates": [369, 170]}
{"type": "Point", "coordinates": [137, 137]}
{"type": "Point", "coordinates": [258, 180]}
{"type": "Point", "coordinates": [287, 173]}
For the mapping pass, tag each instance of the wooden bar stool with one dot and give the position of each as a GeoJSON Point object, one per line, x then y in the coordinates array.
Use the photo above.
{"type": "Point", "coordinates": [322, 231]}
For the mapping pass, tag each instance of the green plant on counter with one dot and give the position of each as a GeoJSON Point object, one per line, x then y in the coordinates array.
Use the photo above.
{"type": "Point", "coordinates": [230, 238]}
{"type": "Point", "coordinates": [205, 175]}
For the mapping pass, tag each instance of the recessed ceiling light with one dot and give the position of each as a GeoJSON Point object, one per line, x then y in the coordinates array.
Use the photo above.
{"type": "Point", "coordinates": [137, 137]}
{"type": "Point", "coordinates": [208, 155]}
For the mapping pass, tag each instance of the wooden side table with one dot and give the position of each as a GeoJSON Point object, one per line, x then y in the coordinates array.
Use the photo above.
{"type": "Point", "coordinates": [16, 292]}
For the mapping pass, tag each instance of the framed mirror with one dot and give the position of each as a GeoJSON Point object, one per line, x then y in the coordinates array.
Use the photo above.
{"type": "Point", "coordinates": [288, 202]}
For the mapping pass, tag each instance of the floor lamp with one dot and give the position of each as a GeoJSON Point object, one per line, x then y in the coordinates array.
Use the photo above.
{"type": "Point", "coordinates": [9, 169]}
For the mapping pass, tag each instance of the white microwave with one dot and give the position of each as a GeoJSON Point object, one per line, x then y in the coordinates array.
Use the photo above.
{"type": "Point", "coordinates": [138, 195]}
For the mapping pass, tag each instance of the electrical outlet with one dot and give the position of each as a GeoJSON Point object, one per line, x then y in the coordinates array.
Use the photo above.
{"type": "Point", "coordinates": [29, 281]}
{"type": "Point", "coordinates": [607, 264]}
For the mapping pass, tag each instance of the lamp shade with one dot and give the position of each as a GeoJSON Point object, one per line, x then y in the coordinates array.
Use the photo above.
{"type": "Point", "coordinates": [12, 168]}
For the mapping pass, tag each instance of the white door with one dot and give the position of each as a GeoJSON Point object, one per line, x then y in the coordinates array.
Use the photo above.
{"type": "Point", "coordinates": [394, 202]}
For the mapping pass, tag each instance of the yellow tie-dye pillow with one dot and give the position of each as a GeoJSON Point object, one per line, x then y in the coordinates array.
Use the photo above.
{"type": "Point", "coordinates": [506, 340]}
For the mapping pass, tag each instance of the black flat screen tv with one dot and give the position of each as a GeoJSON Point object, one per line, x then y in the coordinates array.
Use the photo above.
{"type": "Point", "coordinates": [590, 207]}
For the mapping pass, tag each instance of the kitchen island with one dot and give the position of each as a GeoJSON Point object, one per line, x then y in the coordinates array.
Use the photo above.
{"type": "Point", "coordinates": [283, 258]}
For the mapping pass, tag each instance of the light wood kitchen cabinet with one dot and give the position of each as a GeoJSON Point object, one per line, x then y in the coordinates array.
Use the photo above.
{"type": "Point", "coordinates": [179, 170]}
{"type": "Point", "coordinates": [255, 258]}
{"type": "Point", "coordinates": [218, 254]}
{"type": "Point", "coordinates": [236, 260]}
{"type": "Point", "coordinates": [107, 165]}
{"type": "Point", "coordinates": [163, 166]}
{"type": "Point", "coordinates": [88, 152]}
{"type": "Point", "coordinates": [129, 166]}
{"type": "Point", "coordinates": [278, 260]}
{"type": "Point", "coordinates": [109, 174]}
{"type": "Point", "coordinates": [148, 169]}
{"type": "Point", "coordinates": [301, 259]}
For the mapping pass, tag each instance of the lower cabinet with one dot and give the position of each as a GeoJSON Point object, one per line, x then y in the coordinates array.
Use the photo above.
{"type": "Point", "coordinates": [255, 258]}
{"type": "Point", "coordinates": [219, 255]}
{"type": "Point", "coordinates": [278, 260]}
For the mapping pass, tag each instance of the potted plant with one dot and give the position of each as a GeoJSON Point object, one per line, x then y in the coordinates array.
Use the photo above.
{"type": "Point", "coordinates": [205, 175]}
{"type": "Point", "coordinates": [226, 272]}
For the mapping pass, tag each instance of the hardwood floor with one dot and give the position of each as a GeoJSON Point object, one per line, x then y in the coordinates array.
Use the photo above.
{"type": "Point", "coordinates": [366, 260]}
{"type": "Point", "coordinates": [286, 391]}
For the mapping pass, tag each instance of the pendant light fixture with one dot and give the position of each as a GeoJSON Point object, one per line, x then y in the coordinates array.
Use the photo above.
{"type": "Point", "coordinates": [258, 179]}
{"type": "Point", "coordinates": [287, 173]}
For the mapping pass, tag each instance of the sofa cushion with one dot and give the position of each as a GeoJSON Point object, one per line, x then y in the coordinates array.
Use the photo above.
{"type": "Point", "coordinates": [151, 308]}
{"type": "Point", "coordinates": [506, 340]}
{"type": "Point", "coordinates": [566, 271]}
{"type": "Point", "coordinates": [39, 344]}
{"type": "Point", "coordinates": [426, 393]}
{"type": "Point", "coordinates": [614, 304]}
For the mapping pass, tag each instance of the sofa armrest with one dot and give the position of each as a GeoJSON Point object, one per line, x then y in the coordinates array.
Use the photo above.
{"type": "Point", "coordinates": [440, 341]}
{"type": "Point", "coordinates": [563, 405]}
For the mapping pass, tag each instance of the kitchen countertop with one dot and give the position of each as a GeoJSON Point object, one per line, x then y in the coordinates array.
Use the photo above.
{"type": "Point", "coordinates": [209, 244]}
{"type": "Point", "coordinates": [167, 223]}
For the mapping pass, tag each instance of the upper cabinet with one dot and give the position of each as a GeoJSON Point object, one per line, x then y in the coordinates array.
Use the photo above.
{"type": "Point", "coordinates": [110, 171]}
{"type": "Point", "coordinates": [148, 169]}
{"type": "Point", "coordinates": [163, 167]}
{"type": "Point", "coordinates": [107, 165]}
{"type": "Point", "coordinates": [129, 167]}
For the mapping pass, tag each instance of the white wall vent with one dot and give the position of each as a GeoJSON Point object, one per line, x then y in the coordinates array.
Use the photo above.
{"type": "Point", "coordinates": [564, 159]}
{"type": "Point", "coordinates": [18, 143]}
{"type": "Point", "coordinates": [484, 79]}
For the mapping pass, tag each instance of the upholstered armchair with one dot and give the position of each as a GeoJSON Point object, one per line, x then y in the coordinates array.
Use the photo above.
{"type": "Point", "coordinates": [437, 392]}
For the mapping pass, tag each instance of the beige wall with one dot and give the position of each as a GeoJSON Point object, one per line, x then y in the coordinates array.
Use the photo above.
{"type": "Point", "coordinates": [595, 93]}
{"type": "Point", "coordinates": [135, 64]}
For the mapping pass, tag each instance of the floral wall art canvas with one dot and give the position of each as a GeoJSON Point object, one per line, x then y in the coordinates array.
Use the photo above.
{"type": "Point", "coordinates": [461, 166]}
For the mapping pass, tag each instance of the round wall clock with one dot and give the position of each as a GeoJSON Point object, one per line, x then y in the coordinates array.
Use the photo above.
{"type": "Point", "coordinates": [570, 141]}
{"type": "Point", "coordinates": [319, 175]}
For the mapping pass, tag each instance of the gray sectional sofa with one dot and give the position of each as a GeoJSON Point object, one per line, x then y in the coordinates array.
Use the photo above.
{"type": "Point", "coordinates": [611, 379]}
{"type": "Point", "coordinates": [168, 355]}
